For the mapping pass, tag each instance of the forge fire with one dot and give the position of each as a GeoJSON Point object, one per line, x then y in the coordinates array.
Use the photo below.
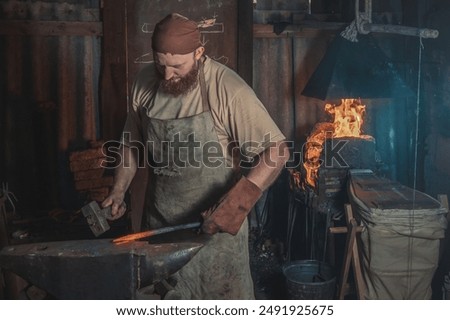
{"type": "Point", "coordinates": [347, 122]}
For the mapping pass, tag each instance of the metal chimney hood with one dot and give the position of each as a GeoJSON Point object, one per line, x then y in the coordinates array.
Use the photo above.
{"type": "Point", "coordinates": [356, 70]}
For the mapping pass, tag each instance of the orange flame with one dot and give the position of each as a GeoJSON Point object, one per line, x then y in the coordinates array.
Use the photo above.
{"type": "Point", "coordinates": [348, 119]}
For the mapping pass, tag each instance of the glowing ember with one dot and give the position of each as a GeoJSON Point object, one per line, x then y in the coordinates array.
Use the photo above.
{"type": "Point", "coordinates": [348, 119]}
{"type": "Point", "coordinates": [134, 237]}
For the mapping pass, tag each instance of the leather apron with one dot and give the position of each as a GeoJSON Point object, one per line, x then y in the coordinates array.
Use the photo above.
{"type": "Point", "coordinates": [185, 182]}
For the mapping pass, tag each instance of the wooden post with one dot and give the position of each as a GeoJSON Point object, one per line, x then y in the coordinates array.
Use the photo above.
{"type": "Point", "coordinates": [114, 88]}
{"type": "Point", "coordinates": [351, 256]}
{"type": "Point", "coordinates": [10, 283]}
{"type": "Point", "coordinates": [356, 261]}
{"type": "Point", "coordinates": [443, 200]}
{"type": "Point", "coordinates": [351, 237]}
{"type": "Point", "coordinates": [445, 242]}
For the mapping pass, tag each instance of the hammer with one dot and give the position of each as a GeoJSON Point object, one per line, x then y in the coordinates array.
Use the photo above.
{"type": "Point", "coordinates": [96, 217]}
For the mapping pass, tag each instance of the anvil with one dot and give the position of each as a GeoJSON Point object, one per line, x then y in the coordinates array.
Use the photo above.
{"type": "Point", "coordinates": [97, 269]}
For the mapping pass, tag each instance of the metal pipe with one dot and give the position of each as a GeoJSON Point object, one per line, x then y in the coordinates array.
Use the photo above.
{"type": "Point", "coordinates": [367, 26]}
{"type": "Point", "coordinates": [396, 29]}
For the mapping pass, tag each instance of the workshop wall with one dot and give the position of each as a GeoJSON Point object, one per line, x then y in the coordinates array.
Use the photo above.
{"type": "Point", "coordinates": [49, 74]}
{"type": "Point", "coordinates": [68, 69]}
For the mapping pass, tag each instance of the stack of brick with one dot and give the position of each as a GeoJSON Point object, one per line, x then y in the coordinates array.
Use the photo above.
{"type": "Point", "coordinates": [91, 176]}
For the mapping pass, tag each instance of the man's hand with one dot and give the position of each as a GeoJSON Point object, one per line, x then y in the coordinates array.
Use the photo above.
{"type": "Point", "coordinates": [231, 211]}
{"type": "Point", "coordinates": [124, 174]}
{"type": "Point", "coordinates": [118, 206]}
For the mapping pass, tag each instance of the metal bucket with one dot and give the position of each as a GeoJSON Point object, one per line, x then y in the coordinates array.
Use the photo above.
{"type": "Point", "coordinates": [309, 280]}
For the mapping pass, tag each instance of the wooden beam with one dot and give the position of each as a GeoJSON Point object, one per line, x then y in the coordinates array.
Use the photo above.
{"type": "Point", "coordinates": [266, 31]}
{"type": "Point", "coordinates": [50, 28]}
{"type": "Point", "coordinates": [338, 230]}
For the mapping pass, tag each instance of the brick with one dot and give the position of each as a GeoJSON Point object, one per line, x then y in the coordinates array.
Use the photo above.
{"type": "Point", "coordinates": [99, 194]}
{"type": "Point", "coordinates": [87, 164]}
{"type": "Point", "coordinates": [87, 154]}
{"type": "Point", "coordinates": [93, 184]}
{"type": "Point", "coordinates": [88, 174]}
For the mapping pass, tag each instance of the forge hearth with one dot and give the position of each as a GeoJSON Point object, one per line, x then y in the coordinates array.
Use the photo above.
{"type": "Point", "coordinates": [321, 151]}
{"type": "Point", "coordinates": [339, 156]}
{"type": "Point", "coordinates": [327, 194]}
{"type": "Point", "coordinates": [320, 183]}
{"type": "Point", "coordinates": [321, 205]}
{"type": "Point", "coordinates": [349, 152]}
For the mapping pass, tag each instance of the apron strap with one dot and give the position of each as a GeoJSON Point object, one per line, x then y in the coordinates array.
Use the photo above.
{"type": "Point", "coordinates": [205, 101]}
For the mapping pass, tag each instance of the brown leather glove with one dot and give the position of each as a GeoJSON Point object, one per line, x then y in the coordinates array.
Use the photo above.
{"type": "Point", "coordinates": [232, 209]}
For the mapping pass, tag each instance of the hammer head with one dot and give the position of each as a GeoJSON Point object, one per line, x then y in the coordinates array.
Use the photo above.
{"type": "Point", "coordinates": [96, 217]}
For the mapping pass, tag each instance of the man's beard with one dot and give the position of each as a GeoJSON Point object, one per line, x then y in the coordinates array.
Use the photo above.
{"type": "Point", "coordinates": [182, 85]}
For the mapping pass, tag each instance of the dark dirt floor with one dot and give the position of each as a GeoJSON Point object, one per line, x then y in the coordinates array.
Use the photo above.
{"type": "Point", "coordinates": [266, 263]}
